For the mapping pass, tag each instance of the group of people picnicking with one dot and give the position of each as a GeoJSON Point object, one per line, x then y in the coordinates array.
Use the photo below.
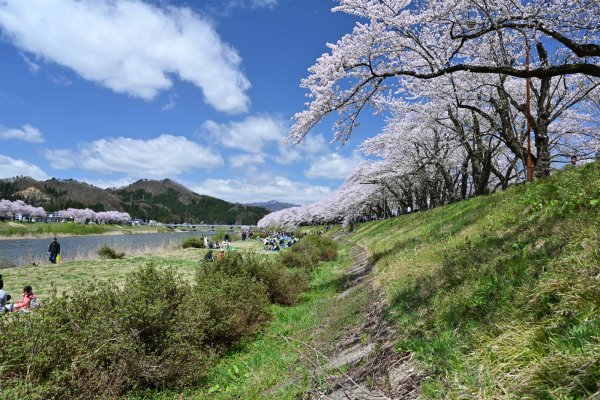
{"type": "Point", "coordinates": [225, 244]}
{"type": "Point", "coordinates": [27, 302]}
{"type": "Point", "coordinates": [217, 246]}
{"type": "Point", "coordinates": [275, 241]}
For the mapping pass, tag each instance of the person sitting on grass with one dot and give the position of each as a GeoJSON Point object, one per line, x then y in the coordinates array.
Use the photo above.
{"type": "Point", "coordinates": [209, 256]}
{"type": "Point", "coordinates": [28, 296]}
{"type": "Point", "coordinates": [4, 297]}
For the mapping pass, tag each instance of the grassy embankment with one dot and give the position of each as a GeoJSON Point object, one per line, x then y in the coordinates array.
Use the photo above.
{"type": "Point", "coordinates": [12, 229]}
{"type": "Point", "coordinates": [496, 297]}
{"type": "Point", "coordinates": [499, 296]}
{"type": "Point", "coordinates": [132, 320]}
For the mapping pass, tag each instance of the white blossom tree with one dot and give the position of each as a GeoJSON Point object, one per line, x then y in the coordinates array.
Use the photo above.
{"type": "Point", "coordinates": [432, 39]}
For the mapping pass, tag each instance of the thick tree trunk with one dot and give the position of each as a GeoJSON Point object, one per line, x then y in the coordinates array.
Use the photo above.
{"type": "Point", "coordinates": [542, 141]}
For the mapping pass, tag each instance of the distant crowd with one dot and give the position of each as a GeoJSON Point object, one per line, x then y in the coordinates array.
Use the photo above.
{"type": "Point", "coordinates": [275, 241]}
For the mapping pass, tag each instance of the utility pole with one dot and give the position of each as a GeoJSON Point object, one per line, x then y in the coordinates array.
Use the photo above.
{"type": "Point", "coordinates": [383, 195]}
{"type": "Point", "coordinates": [528, 106]}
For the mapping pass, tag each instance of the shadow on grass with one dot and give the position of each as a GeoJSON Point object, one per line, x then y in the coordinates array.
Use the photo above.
{"type": "Point", "coordinates": [476, 280]}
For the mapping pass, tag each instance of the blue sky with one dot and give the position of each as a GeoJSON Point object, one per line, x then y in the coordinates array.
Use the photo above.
{"type": "Point", "coordinates": [202, 92]}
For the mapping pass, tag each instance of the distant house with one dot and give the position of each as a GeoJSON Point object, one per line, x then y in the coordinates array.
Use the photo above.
{"type": "Point", "coordinates": [54, 217]}
{"type": "Point", "coordinates": [26, 218]}
{"type": "Point", "coordinates": [137, 222]}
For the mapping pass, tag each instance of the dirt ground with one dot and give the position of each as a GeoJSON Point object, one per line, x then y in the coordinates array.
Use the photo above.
{"type": "Point", "coordinates": [365, 364]}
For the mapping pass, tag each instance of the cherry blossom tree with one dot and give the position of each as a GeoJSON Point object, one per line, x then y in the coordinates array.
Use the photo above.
{"type": "Point", "coordinates": [85, 215]}
{"type": "Point", "coordinates": [449, 77]}
{"type": "Point", "coordinates": [10, 209]}
{"type": "Point", "coordinates": [431, 39]}
{"type": "Point", "coordinates": [116, 217]}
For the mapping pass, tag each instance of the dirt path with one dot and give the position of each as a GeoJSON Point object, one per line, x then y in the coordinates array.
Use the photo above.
{"type": "Point", "coordinates": [365, 364]}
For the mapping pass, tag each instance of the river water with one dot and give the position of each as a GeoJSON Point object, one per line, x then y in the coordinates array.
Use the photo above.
{"type": "Point", "coordinates": [14, 252]}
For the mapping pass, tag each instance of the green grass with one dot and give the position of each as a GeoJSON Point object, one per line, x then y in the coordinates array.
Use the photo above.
{"type": "Point", "coordinates": [498, 296]}
{"type": "Point", "coordinates": [69, 276]}
{"type": "Point", "coordinates": [42, 229]}
{"type": "Point", "coordinates": [274, 365]}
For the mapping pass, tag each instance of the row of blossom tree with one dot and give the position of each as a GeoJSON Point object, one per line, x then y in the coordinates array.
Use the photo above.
{"type": "Point", "coordinates": [9, 209]}
{"type": "Point", "coordinates": [452, 79]}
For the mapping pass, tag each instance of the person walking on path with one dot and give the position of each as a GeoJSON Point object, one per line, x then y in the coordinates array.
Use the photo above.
{"type": "Point", "coordinates": [53, 250]}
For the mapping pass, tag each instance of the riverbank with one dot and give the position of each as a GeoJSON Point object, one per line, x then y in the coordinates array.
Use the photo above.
{"type": "Point", "coordinates": [69, 276]}
{"type": "Point", "coordinates": [39, 230]}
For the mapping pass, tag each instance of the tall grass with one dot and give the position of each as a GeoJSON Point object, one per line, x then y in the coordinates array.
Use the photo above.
{"type": "Point", "coordinates": [499, 294]}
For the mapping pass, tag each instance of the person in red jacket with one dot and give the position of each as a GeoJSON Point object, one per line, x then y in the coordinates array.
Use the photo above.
{"type": "Point", "coordinates": [27, 297]}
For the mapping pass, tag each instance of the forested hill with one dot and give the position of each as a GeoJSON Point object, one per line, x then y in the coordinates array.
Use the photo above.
{"type": "Point", "coordinates": [167, 200]}
{"type": "Point", "coordinates": [163, 201]}
{"type": "Point", "coordinates": [59, 194]}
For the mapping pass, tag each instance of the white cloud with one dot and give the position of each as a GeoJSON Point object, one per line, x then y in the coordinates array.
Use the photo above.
{"type": "Point", "coordinates": [129, 46]}
{"type": "Point", "coordinates": [262, 188]}
{"type": "Point", "coordinates": [314, 144]}
{"type": "Point", "coordinates": [171, 104]}
{"type": "Point", "coordinates": [164, 156]}
{"type": "Point", "coordinates": [9, 167]}
{"type": "Point", "coordinates": [61, 80]}
{"type": "Point", "coordinates": [246, 161]}
{"type": "Point", "coordinates": [250, 134]}
{"type": "Point", "coordinates": [32, 66]}
{"type": "Point", "coordinates": [231, 4]}
{"type": "Point", "coordinates": [61, 159]}
{"type": "Point", "coordinates": [333, 166]}
{"type": "Point", "coordinates": [28, 133]}
{"type": "Point", "coordinates": [264, 3]}
{"type": "Point", "coordinates": [290, 153]}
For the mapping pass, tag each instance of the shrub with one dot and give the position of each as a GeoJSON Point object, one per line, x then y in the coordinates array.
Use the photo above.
{"type": "Point", "coordinates": [108, 252]}
{"type": "Point", "coordinates": [220, 235]}
{"type": "Point", "coordinates": [155, 332]}
{"type": "Point", "coordinates": [299, 259]}
{"type": "Point", "coordinates": [283, 285]}
{"type": "Point", "coordinates": [235, 306]}
{"type": "Point", "coordinates": [259, 235]}
{"type": "Point", "coordinates": [317, 247]}
{"type": "Point", "coordinates": [193, 242]}
{"type": "Point", "coordinates": [103, 341]}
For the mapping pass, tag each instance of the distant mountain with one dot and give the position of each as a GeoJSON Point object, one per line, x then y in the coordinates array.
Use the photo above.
{"type": "Point", "coordinates": [163, 201]}
{"type": "Point", "coordinates": [272, 205]}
